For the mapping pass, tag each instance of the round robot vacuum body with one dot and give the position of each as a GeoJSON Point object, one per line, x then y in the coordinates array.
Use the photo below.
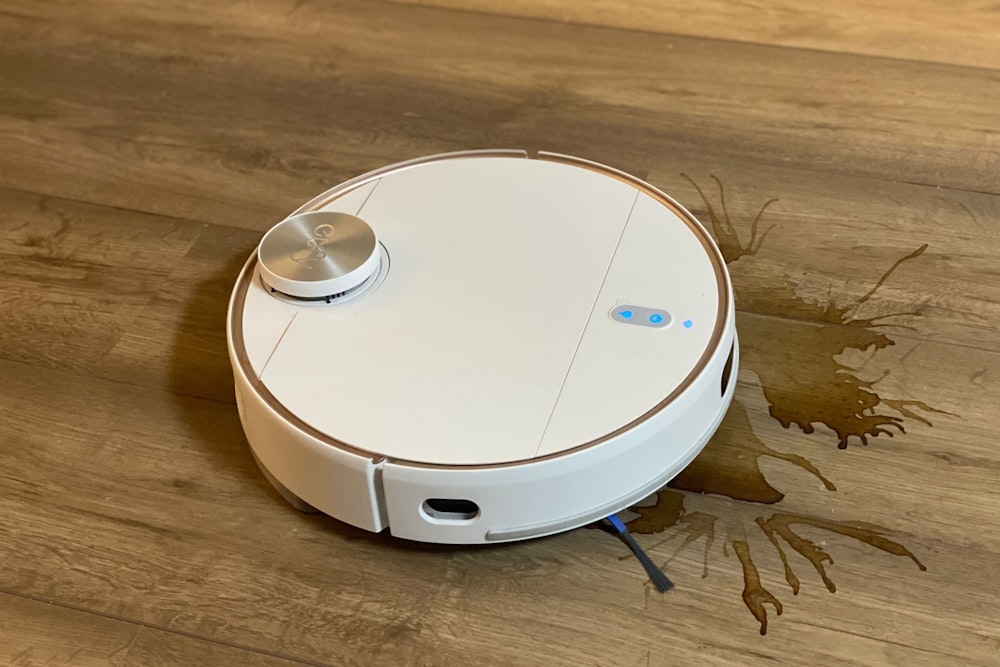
{"type": "Point", "coordinates": [482, 347]}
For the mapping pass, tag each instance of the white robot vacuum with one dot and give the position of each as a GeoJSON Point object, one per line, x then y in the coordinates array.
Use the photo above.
{"type": "Point", "coordinates": [482, 347]}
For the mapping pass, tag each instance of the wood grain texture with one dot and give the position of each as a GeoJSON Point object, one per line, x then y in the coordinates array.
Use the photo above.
{"type": "Point", "coordinates": [961, 33]}
{"type": "Point", "coordinates": [40, 633]}
{"type": "Point", "coordinates": [145, 146]}
{"type": "Point", "coordinates": [36, 633]}
{"type": "Point", "coordinates": [156, 648]}
{"type": "Point", "coordinates": [298, 113]}
{"type": "Point", "coordinates": [61, 261]}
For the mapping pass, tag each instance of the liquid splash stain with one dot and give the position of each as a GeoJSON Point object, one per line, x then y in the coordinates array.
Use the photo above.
{"type": "Point", "coordinates": [730, 464]}
{"type": "Point", "coordinates": [806, 385]}
{"type": "Point", "coordinates": [755, 596]}
{"type": "Point", "coordinates": [780, 525]}
{"type": "Point", "coordinates": [818, 389]}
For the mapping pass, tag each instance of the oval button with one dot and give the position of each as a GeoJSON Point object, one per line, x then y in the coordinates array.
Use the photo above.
{"type": "Point", "coordinates": [639, 315]}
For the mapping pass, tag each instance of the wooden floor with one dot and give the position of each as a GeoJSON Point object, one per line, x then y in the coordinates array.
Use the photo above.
{"type": "Point", "coordinates": [846, 157]}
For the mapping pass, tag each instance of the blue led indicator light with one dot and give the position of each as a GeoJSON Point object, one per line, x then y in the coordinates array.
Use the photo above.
{"type": "Point", "coordinates": [626, 314]}
{"type": "Point", "coordinates": [688, 324]}
{"type": "Point", "coordinates": [656, 318]}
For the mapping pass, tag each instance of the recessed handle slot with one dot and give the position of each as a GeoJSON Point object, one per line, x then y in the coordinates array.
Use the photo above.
{"type": "Point", "coordinates": [450, 509]}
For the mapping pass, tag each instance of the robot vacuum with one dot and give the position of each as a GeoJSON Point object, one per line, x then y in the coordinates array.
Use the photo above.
{"type": "Point", "coordinates": [481, 347]}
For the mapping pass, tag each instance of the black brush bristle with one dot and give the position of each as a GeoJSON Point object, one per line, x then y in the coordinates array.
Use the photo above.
{"type": "Point", "coordinates": [656, 576]}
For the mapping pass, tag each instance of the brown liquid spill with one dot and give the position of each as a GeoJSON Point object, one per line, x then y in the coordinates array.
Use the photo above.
{"type": "Point", "coordinates": [755, 596]}
{"type": "Point", "coordinates": [692, 527]}
{"type": "Point", "coordinates": [726, 236]}
{"type": "Point", "coordinates": [795, 358]}
{"type": "Point", "coordinates": [730, 464]}
{"type": "Point", "coordinates": [816, 389]}
{"type": "Point", "coordinates": [779, 525]}
{"type": "Point", "coordinates": [666, 512]}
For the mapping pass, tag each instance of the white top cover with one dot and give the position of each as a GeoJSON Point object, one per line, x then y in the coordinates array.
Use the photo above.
{"type": "Point", "coordinates": [530, 306]}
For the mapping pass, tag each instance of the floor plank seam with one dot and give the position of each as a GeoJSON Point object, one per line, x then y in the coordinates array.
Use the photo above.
{"type": "Point", "coordinates": [676, 35]}
{"type": "Point", "coordinates": [123, 209]}
{"type": "Point", "coordinates": [223, 225]}
{"type": "Point", "coordinates": [154, 626]}
{"type": "Point", "coordinates": [899, 334]}
{"type": "Point", "coordinates": [876, 639]}
{"type": "Point", "coordinates": [89, 373]}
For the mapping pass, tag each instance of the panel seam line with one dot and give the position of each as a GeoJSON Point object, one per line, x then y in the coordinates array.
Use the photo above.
{"type": "Point", "coordinates": [579, 342]}
{"type": "Point", "coordinates": [277, 345]}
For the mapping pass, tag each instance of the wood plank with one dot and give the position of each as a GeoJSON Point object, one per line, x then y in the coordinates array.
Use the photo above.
{"type": "Point", "coordinates": [76, 275]}
{"type": "Point", "coordinates": [36, 633]}
{"type": "Point", "coordinates": [134, 107]}
{"type": "Point", "coordinates": [33, 632]}
{"type": "Point", "coordinates": [962, 33]}
{"type": "Point", "coordinates": [179, 339]}
{"type": "Point", "coordinates": [153, 648]}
